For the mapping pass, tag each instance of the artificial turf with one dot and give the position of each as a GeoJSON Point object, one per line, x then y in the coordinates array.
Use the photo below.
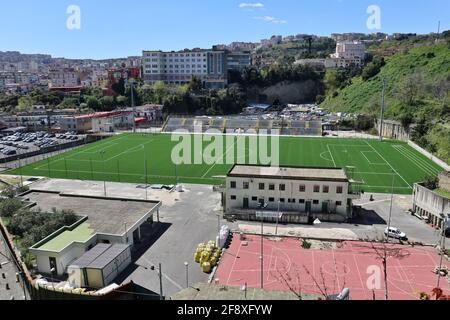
{"type": "Point", "coordinates": [370, 163]}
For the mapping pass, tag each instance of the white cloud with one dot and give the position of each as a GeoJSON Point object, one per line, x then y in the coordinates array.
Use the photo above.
{"type": "Point", "coordinates": [257, 5]}
{"type": "Point", "coordinates": [271, 20]}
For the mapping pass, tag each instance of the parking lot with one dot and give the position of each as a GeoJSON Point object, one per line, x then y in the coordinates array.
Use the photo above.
{"type": "Point", "coordinates": [22, 143]}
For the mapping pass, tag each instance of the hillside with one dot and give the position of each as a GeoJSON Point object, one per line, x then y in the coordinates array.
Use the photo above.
{"type": "Point", "coordinates": [418, 91]}
{"type": "Point", "coordinates": [422, 66]}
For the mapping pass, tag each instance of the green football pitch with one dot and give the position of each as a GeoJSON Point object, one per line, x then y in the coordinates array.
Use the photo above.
{"type": "Point", "coordinates": [147, 158]}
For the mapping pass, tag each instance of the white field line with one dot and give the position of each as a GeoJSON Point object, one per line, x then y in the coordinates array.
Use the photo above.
{"type": "Point", "coordinates": [98, 161]}
{"type": "Point", "coordinates": [370, 162]}
{"type": "Point", "coordinates": [410, 187]}
{"type": "Point", "coordinates": [223, 155]}
{"type": "Point", "coordinates": [420, 163]}
{"type": "Point", "coordinates": [332, 158]}
{"type": "Point", "coordinates": [325, 152]}
{"type": "Point", "coordinates": [103, 149]}
{"type": "Point", "coordinates": [137, 148]}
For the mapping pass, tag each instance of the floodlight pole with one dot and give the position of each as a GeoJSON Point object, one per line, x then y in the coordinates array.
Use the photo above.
{"type": "Point", "coordinates": [104, 179]}
{"type": "Point", "coordinates": [382, 109]}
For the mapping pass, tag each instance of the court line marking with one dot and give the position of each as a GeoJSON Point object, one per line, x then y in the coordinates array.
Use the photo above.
{"type": "Point", "coordinates": [420, 163]}
{"type": "Point", "coordinates": [370, 162]}
{"type": "Point", "coordinates": [388, 163]}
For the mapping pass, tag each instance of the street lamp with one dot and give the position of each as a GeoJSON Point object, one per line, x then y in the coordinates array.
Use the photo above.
{"type": "Point", "coordinates": [186, 264]}
{"type": "Point", "coordinates": [262, 207]}
{"type": "Point", "coordinates": [445, 220]}
{"type": "Point", "coordinates": [390, 207]}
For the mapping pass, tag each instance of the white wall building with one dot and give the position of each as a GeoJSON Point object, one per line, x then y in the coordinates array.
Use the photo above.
{"type": "Point", "coordinates": [318, 192]}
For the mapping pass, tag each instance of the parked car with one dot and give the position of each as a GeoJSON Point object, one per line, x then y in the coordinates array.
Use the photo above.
{"type": "Point", "coordinates": [395, 233]}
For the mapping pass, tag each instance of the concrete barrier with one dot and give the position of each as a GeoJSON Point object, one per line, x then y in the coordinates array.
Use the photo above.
{"type": "Point", "coordinates": [427, 154]}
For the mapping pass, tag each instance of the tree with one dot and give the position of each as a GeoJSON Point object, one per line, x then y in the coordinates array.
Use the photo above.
{"type": "Point", "coordinates": [195, 85]}
{"type": "Point", "coordinates": [431, 183]}
{"type": "Point", "coordinates": [119, 87]}
{"type": "Point", "coordinates": [9, 207]}
{"type": "Point", "coordinates": [93, 103]}
{"type": "Point", "coordinates": [122, 101]}
{"type": "Point", "coordinates": [373, 68]}
{"type": "Point", "coordinates": [107, 103]}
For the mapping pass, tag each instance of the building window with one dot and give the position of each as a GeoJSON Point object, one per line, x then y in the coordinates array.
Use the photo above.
{"type": "Point", "coordinates": [316, 189]}
{"type": "Point", "coordinates": [271, 199]}
{"type": "Point", "coordinates": [271, 187]}
{"type": "Point", "coordinates": [246, 185]}
{"type": "Point", "coordinates": [301, 201]}
{"type": "Point", "coordinates": [282, 187]}
{"type": "Point", "coordinates": [254, 198]}
{"type": "Point", "coordinates": [339, 190]}
{"type": "Point", "coordinates": [261, 186]}
{"type": "Point", "coordinates": [302, 188]}
{"type": "Point", "coordinates": [338, 203]}
{"type": "Point", "coordinates": [282, 200]}
{"type": "Point", "coordinates": [233, 184]}
{"type": "Point", "coordinates": [233, 197]}
{"type": "Point", "coordinates": [316, 202]}
{"type": "Point", "coordinates": [291, 200]}
{"type": "Point", "coordinates": [326, 189]}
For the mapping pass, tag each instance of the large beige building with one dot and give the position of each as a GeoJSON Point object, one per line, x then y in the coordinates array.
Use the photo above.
{"type": "Point", "coordinates": [322, 193]}
{"type": "Point", "coordinates": [180, 67]}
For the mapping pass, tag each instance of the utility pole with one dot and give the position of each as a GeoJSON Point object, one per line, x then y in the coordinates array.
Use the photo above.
{"type": "Point", "coordinates": [262, 206]}
{"type": "Point", "coordinates": [382, 109]}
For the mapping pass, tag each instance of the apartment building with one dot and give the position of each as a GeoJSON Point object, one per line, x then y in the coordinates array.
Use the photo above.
{"type": "Point", "coordinates": [98, 122]}
{"type": "Point", "coordinates": [239, 60]}
{"type": "Point", "coordinates": [180, 67]}
{"type": "Point", "coordinates": [309, 193]}
{"type": "Point", "coordinates": [64, 78]}
{"type": "Point", "coordinates": [350, 50]}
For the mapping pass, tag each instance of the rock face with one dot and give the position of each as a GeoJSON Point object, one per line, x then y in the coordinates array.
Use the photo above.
{"type": "Point", "coordinates": [287, 92]}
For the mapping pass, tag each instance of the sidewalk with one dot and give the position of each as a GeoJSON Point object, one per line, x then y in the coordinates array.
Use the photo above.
{"type": "Point", "coordinates": [301, 232]}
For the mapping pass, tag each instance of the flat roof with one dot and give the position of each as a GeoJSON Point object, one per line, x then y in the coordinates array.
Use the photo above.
{"type": "Point", "coordinates": [293, 173]}
{"type": "Point", "coordinates": [82, 233]}
{"type": "Point", "coordinates": [100, 256]}
{"type": "Point", "coordinates": [105, 215]}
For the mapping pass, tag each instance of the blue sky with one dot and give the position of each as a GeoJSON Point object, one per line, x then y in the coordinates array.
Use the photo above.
{"type": "Point", "coordinates": [115, 28]}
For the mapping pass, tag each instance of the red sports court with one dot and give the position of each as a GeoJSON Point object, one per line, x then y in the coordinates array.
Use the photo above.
{"type": "Point", "coordinates": [347, 264]}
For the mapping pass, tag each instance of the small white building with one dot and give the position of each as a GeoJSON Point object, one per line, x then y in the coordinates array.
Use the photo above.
{"type": "Point", "coordinates": [301, 194]}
